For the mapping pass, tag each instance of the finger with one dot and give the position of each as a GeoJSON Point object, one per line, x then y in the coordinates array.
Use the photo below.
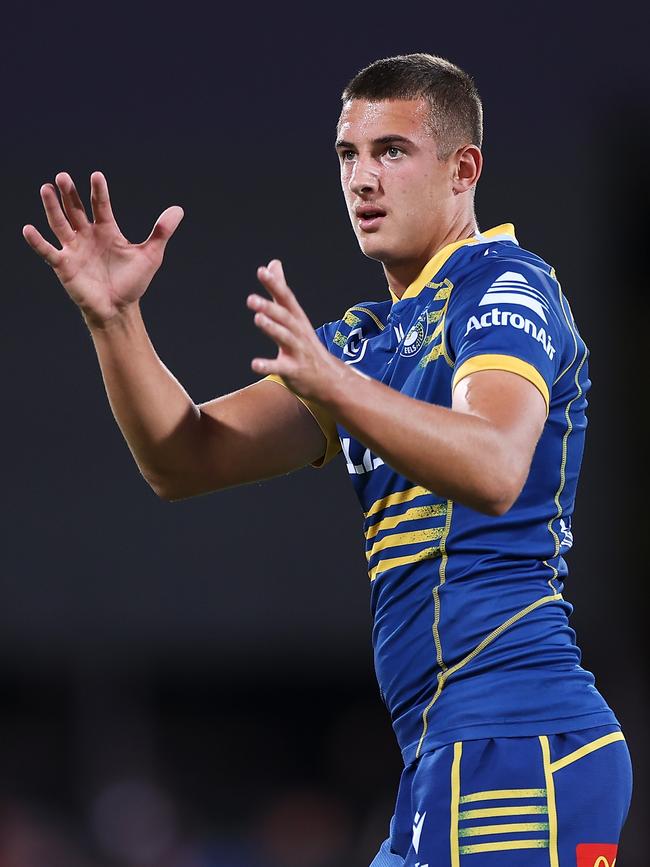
{"type": "Point", "coordinates": [281, 335]}
{"type": "Point", "coordinates": [272, 309]}
{"type": "Point", "coordinates": [273, 279]}
{"type": "Point", "coordinates": [266, 366]}
{"type": "Point", "coordinates": [100, 200]}
{"type": "Point", "coordinates": [72, 204]}
{"type": "Point", "coordinates": [56, 219]}
{"type": "Point", "coordinates": [38, 243]}
{"type": "Point", "coordinates": [164, 228]}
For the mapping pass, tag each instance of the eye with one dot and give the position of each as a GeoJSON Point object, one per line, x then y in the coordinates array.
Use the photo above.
{"type": "Point", "coordinates": [393, 152]}
{"type": "Point", "coordinates": [347, 156]}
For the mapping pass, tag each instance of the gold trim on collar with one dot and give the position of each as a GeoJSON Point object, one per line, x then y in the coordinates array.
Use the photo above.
{"type": "Point", "coordinates": [435, 264]}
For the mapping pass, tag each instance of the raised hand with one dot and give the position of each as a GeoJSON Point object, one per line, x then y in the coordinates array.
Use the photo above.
{"type": "Point", "coordinates": [101, 271]}
{"type": "Point", "coordinates": [302, 360]}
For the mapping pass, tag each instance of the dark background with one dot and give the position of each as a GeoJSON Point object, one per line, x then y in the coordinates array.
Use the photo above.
{"type": "Point", "coordinates": [191, 684]}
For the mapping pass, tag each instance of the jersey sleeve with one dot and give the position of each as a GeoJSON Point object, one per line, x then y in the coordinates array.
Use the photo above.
{"type": "Point", "coordinates": [325, 422]}
{"type": "Point", "coordinates": [507, 320]}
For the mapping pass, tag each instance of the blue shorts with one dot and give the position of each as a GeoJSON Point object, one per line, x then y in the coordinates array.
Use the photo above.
{"type": "Point", "coordinates": [547, 801]}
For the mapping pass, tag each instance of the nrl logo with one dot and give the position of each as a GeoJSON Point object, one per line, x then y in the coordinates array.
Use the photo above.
{"type": "Point", "coordinates": [355, 348]}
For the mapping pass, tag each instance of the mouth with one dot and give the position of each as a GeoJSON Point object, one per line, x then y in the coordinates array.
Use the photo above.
{"type": "Point", "coordinates": [369, 217]}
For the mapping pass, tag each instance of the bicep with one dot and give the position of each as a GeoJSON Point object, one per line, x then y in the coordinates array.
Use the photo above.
{"type": "Point", "coordinates": [512, 405]}
{"type": "Point", "coordinates": [255, 433]}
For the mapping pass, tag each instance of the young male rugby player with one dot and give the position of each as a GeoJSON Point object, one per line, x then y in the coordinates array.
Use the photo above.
{"type": "Point", "coordinates": [459, 405]}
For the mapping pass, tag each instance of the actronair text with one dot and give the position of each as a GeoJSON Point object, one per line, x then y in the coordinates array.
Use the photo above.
{"type": "Point", "coordinates": [515, 320]}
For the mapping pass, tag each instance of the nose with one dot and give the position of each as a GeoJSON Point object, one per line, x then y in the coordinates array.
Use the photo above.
{"type": "Point", "coordinates": [364, 178]}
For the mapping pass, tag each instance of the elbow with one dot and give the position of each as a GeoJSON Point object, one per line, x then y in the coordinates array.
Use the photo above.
{"type": "Point", "coordinates": [501, 495]}
{"type": "Point", "coordinates": [162, 489]}
{"type": "Point", "coordinates": [502, 479]}
{"type": "Point", "coordinates": [167, 488]}
{"type": "Point", "coordinates": [172, 488]}
{"type": "Point", "coordinates": [496, 507]}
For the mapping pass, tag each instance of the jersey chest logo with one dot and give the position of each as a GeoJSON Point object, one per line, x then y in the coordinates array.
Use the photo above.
{"type": "Point", "coordinates": [414, 339]}
{"type": "Point", "coordinates": [355, 348]}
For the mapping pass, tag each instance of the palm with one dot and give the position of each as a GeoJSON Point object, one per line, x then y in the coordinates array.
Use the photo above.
{"type": "Point", "coordinates": [101, 271]}
{"type": "Point", "coordinates": [100, 267]}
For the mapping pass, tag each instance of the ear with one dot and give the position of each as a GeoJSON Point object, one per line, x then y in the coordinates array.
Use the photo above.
{"type": "Point", "coordinates": [468, 163]}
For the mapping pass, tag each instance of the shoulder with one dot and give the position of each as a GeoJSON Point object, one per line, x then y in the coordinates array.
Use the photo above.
{"type": "Point", "coordinates": [503, 267]}
{"type": "Point", "coordinates": [362, 318]}
{"type": "Point", "coordinates": [506, 275]}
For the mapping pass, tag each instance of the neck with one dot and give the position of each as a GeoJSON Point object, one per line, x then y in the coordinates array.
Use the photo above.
{"type": "Point", "coordinates": [400, 273]}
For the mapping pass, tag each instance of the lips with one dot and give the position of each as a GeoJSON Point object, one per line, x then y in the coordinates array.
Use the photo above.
{"type": "Point", "coordinates": [369, 216]}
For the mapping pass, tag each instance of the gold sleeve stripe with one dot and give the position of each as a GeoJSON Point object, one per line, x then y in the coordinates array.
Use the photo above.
{"type": "Point", "coordinates": [503, 362]}
{"type": "Point", "coordinates": [324, 421]}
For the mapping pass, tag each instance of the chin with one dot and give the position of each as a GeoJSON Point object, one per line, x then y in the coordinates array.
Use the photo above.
{"type": "Point", "coordinates": [376, 248]}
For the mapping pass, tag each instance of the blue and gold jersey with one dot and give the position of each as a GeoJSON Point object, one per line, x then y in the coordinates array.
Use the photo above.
{"type": "Point", "coordinates": [471, 633]}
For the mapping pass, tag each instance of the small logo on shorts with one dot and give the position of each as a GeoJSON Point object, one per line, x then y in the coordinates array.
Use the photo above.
{"type": "Point", "coordinates": [596, 854]}
{"type": "Point", "coordinates": [418, 823]}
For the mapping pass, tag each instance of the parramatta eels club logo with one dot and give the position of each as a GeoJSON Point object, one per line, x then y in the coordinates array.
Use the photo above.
{"type": "Point", "coordinates": [415, 337]}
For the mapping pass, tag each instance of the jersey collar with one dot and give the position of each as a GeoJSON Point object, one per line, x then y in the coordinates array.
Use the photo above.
{"type": "Point", "coordinates": [503, 232]}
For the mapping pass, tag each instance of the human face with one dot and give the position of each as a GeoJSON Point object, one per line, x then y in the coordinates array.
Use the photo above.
{"type": "Point", "coordinates": [398, 193]}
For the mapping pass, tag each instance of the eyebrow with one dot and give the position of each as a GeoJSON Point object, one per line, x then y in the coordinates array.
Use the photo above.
{"type": "Point", "coordinates": [384, 139]}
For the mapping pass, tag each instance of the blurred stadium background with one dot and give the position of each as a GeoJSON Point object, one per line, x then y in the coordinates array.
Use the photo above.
{"type": "Point", "coordinates": [191, 684]}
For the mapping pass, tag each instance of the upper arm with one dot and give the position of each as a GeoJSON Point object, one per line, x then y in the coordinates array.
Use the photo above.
{"type": "Point", "coordinates": [515, 409]}
{"type": "Point", "coordinates": [507, 338]}
{"type": "Point", "coordinates": [255, 433]}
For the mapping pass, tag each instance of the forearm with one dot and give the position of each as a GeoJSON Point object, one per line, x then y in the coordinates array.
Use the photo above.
{"type": "Point", "coordinates": [457, 455]}
{"type": "Point", "coordinates": [159, 421]}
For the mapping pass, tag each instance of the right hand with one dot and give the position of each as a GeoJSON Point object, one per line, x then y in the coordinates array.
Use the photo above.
{"type": "Point", "coordinates": [100, 270]}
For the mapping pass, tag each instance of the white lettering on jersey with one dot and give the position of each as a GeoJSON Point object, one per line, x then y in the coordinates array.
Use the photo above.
{"type": "Point", "coordinates": [513, 288]}
{"type": "Point", "coordinates": [515, 320]}
{"type": "Point", "coordinates": [368, 461]}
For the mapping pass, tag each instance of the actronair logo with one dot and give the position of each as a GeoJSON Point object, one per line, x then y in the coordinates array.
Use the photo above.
{"type": "Point", "coordinates": [515, 320]}
{"type": "Point", "coordinates": [513, 288]}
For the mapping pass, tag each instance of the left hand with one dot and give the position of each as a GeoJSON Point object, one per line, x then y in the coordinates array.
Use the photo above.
{"type": "Point", "coordinates": [302, 360]}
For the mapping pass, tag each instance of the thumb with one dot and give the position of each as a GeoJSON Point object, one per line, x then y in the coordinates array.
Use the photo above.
{"type": "Point", "coordinates": [163, 229]}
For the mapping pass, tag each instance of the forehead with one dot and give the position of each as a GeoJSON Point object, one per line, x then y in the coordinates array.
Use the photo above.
{"type": "Point", "coordinates": [364, 119]}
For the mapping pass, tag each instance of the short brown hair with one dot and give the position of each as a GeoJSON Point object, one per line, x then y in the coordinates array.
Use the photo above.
{"type": "Point", "coordinates": [456, 116]}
